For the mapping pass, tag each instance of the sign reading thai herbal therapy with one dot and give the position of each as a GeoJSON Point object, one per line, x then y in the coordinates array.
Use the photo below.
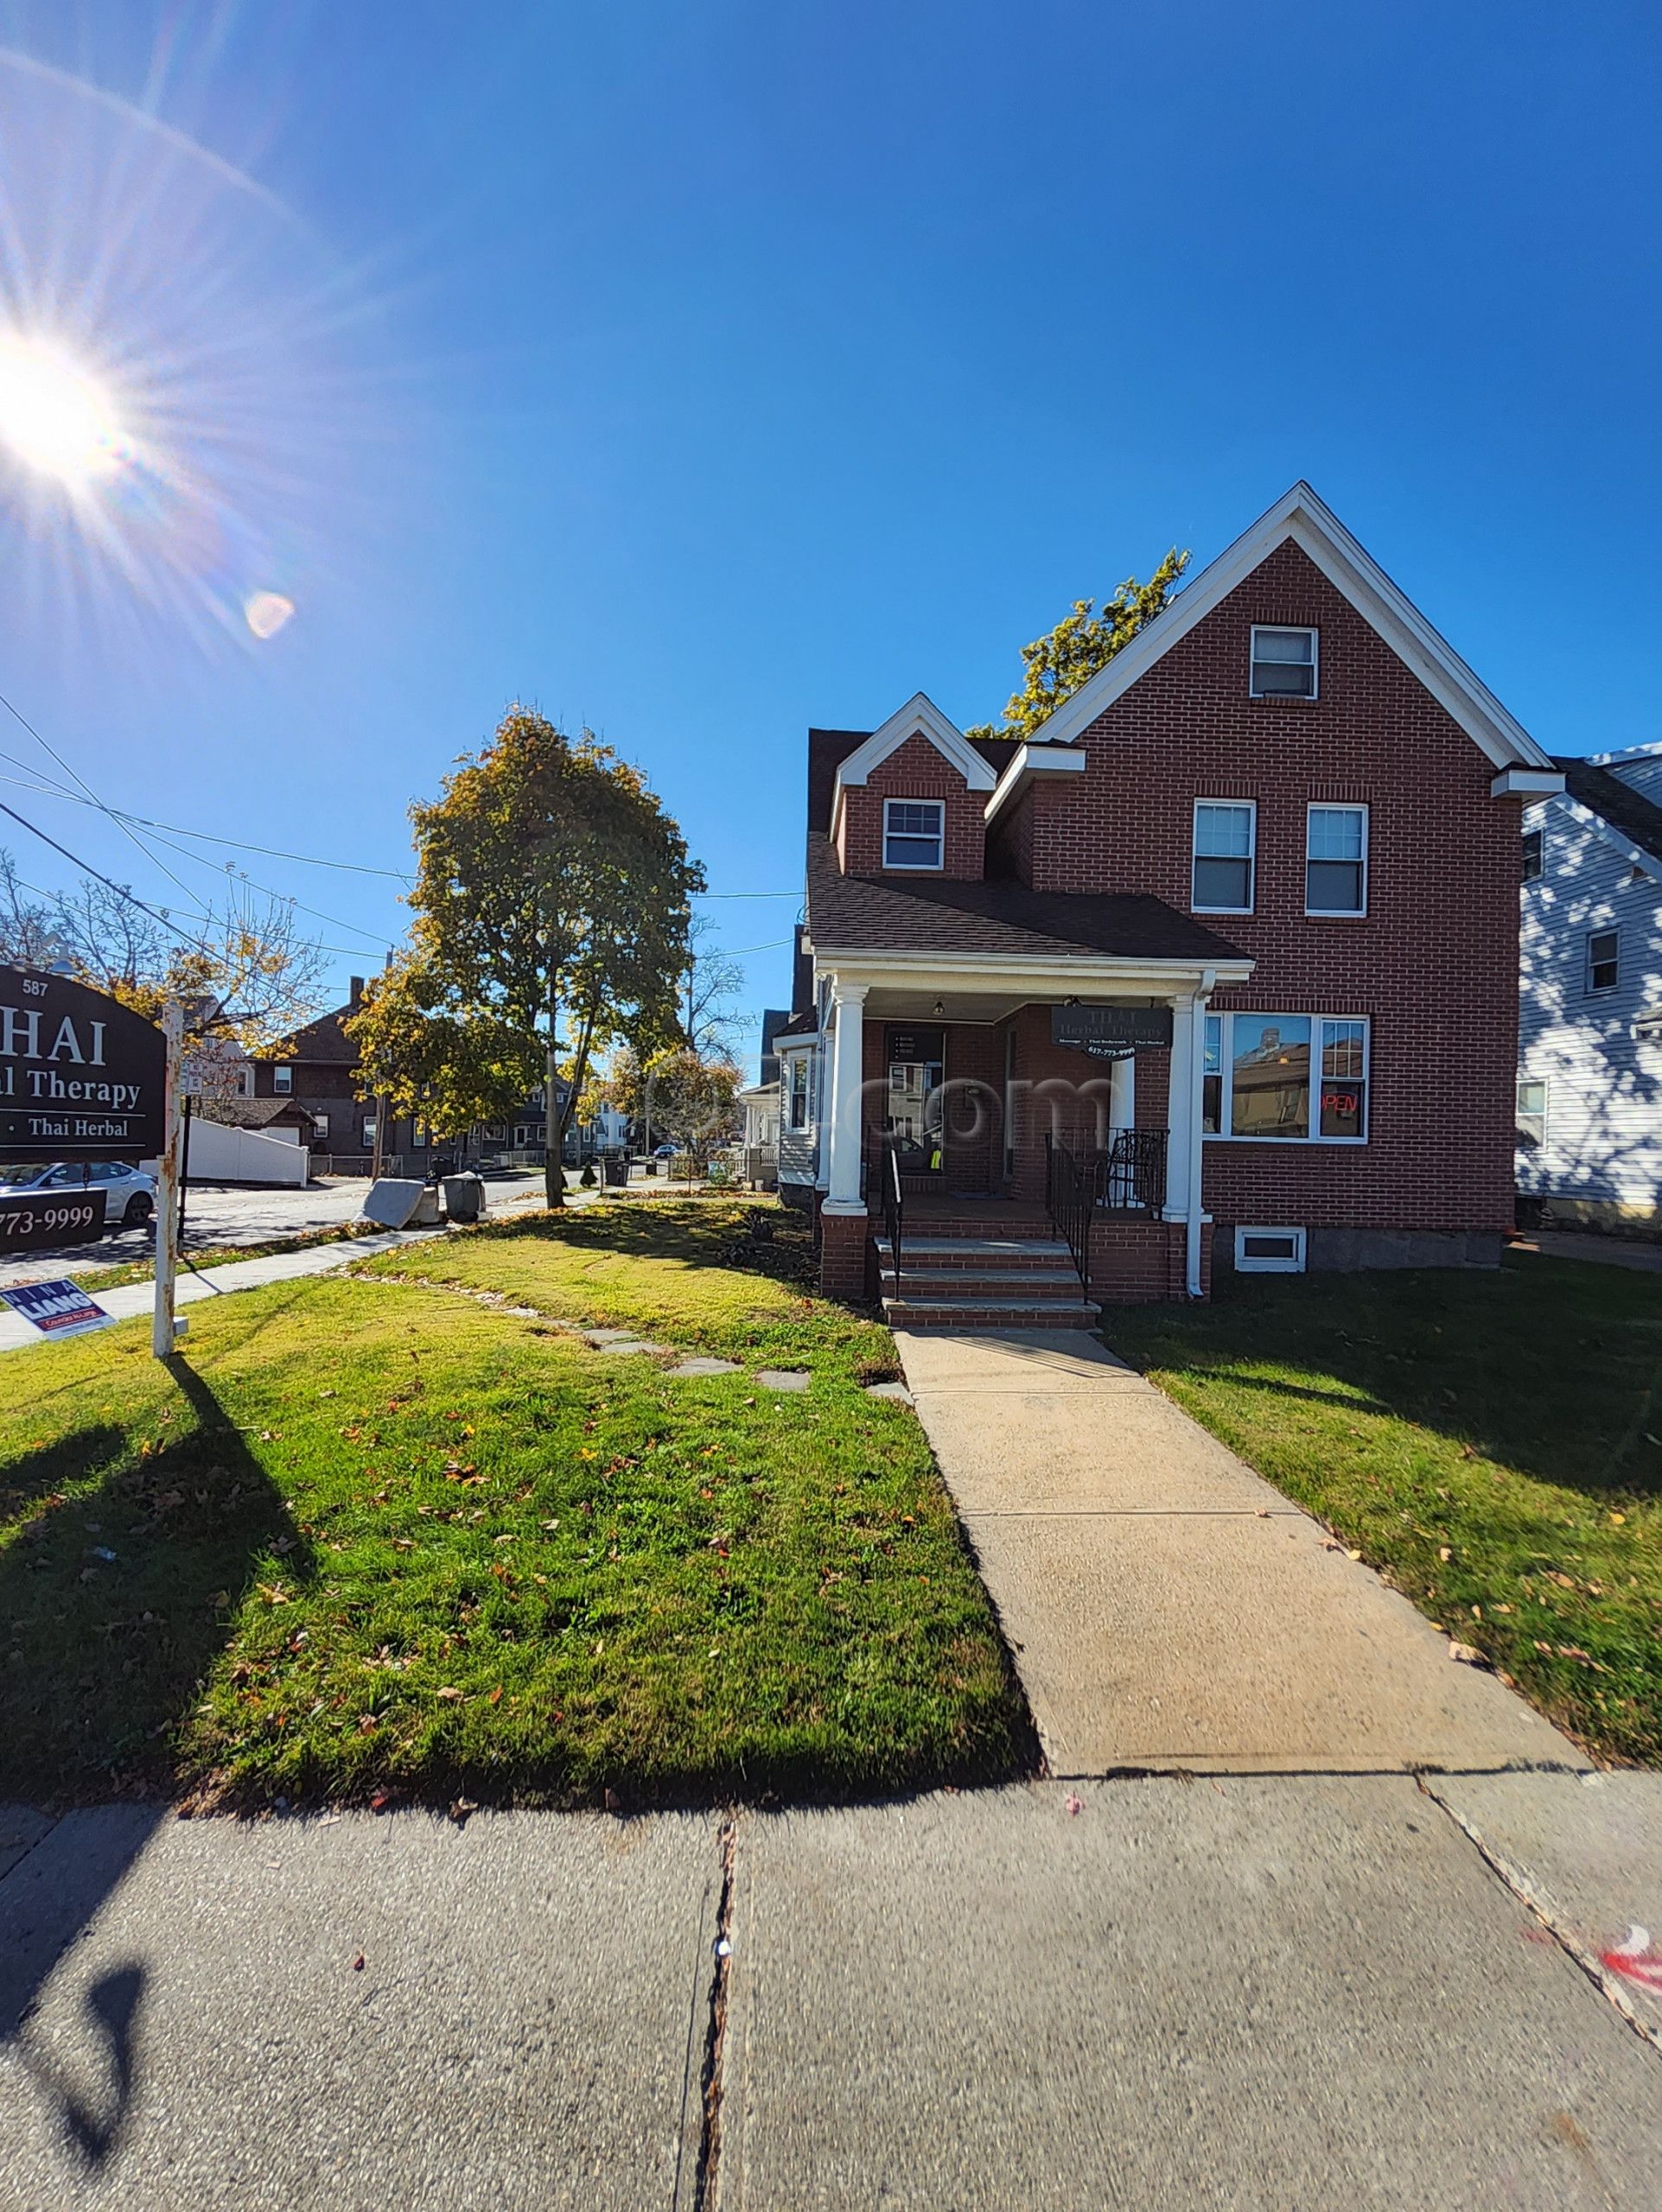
{"type": "Point", "coordinates": [81, 1075]}
{"type": "Point", "coordinates": [1111, 1032]}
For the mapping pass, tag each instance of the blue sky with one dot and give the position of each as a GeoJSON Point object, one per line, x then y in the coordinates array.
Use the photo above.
{"type": "Point", "coordinates": [705, 373]}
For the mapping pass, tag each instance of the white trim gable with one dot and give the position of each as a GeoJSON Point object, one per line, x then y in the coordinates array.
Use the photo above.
{"type": "Point", "coordinates": [919, 717]}
{"type": "Point", "coordinates": [1313, 526]}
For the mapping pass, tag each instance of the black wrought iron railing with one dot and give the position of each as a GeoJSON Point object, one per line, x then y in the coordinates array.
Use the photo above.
{"type": "Point", "coordinates": [893, 1209]}
{"type": "Point", "coordinates": [1130, 1177]}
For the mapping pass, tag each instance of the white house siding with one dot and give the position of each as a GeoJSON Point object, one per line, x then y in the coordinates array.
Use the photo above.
{"type": "Point", "coordinates": [1604, 1084]}
{"type": "Point", "coordinates": [1642, 772]}
{"type": "Point", "coordinates": [799, 1149]}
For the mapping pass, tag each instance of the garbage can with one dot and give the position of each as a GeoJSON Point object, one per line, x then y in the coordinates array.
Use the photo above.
{"type": "Point", "coordinates": [464, 1197]}
{"type": "Point", "coordinates": [617, 1171]}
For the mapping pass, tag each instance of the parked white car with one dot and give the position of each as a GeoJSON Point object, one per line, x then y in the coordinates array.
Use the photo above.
{"type": "Point", "coordinates": [129, 1193]}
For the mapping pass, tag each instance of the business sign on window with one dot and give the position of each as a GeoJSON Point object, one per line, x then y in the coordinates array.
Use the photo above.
{"type": "Point", "coordinates": [81, 1075]}
{"type": "Point", "coordinates": [1112, 1032]}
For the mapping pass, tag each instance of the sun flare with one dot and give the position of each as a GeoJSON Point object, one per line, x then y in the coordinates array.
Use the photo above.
{"type": "Point", "coordinates": [55, 417]}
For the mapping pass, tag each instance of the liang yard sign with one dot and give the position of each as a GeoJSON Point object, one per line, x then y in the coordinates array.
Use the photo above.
{"type": "Point", "coordinates": [57, 1309]}
{"type": "Point", "coordinates": [1111, 1032]}
{"type": "Point", "coordinates": [81, 1075]}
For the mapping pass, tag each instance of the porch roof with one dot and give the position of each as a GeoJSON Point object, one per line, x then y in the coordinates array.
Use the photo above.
{"type": "Point", "coordinates": [877, 914]}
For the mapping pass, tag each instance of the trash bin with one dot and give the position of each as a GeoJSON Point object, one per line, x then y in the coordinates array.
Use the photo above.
{"type": "Point", "coordinates": [464, 1196]}
{"type": "Point", "coordinates": [650, 1164]}
{"type": "Point", "coordinates": [617, 1172]}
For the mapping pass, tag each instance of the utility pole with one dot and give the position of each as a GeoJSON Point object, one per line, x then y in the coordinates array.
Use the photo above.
{"type": "Point", "coordinates": [164, 1327]}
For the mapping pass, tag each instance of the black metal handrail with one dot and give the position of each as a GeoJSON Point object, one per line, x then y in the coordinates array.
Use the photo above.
{"type": "Point", "coordinates": [1130, 1177]}
{"type": "Point", "coordinates": [893, 1209]}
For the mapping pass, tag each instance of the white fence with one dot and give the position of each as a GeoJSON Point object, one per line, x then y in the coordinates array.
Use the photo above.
{"type": "Point", "coordinates": [222, 1154]}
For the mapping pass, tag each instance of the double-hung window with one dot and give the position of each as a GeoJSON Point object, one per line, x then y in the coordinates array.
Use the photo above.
{"type": "Point", "coordinates": [1534, 855]}
{"type": "Point", "coordinates": [1283, 664]}
{"type": "Point", "coordinates": [800, 1092]}
{"type": "Point", "coordinates": [282, 1080]}
{"type": "Point", "coordinates": [1532, 1112]}
{"type": "Point", "coordinates": [1225, 840]}
{"type": "Point", "coordinates": [1335, 860]}
{"type": "Point", "coordinates": [1292, 1077]}
{"type": "Point", "coordinates": [914, 832]}
{"type": "Point", "coordinates": [1603, 960]}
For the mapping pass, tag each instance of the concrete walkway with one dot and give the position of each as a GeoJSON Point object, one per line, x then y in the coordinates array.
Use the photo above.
{"type": "Point", "coordinates": [1268, 1993]}
{"type": "Point", "coordinates": [1168, 1609]}
{"type": "Point", "coordinates": [1587, 1244]}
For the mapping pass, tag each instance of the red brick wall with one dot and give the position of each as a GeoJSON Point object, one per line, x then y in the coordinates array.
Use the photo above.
{"type": "Point", "coordinates": [1435, 961]}
{"type": "Point", "coordinates": [914, 770]}
{"type": "Point", "coordinates": [1051, 1098]}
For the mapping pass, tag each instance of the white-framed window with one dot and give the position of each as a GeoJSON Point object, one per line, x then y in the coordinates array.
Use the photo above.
{"type": "Point", "coordinates": [1603, 960]}
{"type": "Point", "coordinates": [418, 1136]}
{"type": "Point", "coordinates": [1283, 662]}
{"type": "Point", "coordinates": [1335, 860]}
{"type": "Point", "coordinates": [915, 832]}
{"type": "Point", "coordinates": [321, 1123]}
{"type": "Point", "coordinates": [1224, 855]}
{"type": "Point", "coordinates": [246, 1080]}
{"type": "Point", "coordinates": [282, 1080]}
{"type": "Point", "coordinates": [1532, 1112]}
{"type": "Point", "coordinates": [1534, 855]}
{"type": "Point", "coordinates": [1299, 1079]}
{"type": "Point", "coordinates": [800, 1089]}
{"type": "Point", "coordinates": [1269, 1251]}
{"type": "Point", "coordinates": [369, 1132]}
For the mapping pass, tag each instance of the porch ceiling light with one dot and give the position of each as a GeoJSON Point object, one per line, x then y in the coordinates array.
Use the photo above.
{"type": "Point", "coordinates": [940, 1006]}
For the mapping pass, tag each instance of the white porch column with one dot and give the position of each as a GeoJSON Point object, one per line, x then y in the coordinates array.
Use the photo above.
{"type": "Point", "coordinates": [1195, 1208]}
{"type": "Point", "coordinates": [848, 1072]}
{"type": "Point", "coordinates": [1180, 1124]}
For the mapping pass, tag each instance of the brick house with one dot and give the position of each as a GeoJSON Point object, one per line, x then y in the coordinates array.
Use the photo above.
{"type": "Point", "coordinates": [1221, 968]}
{"type": "Point", "coordinates": [317, 1068]}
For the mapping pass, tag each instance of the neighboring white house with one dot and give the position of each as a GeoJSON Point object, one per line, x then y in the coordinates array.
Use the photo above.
{"type": "Point", "coordinates": [1589, 1079]}
{"type": "Point", "coordinates": [761, 1105]}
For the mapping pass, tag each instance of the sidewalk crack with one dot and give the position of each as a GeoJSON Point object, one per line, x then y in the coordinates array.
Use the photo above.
{"type": "Point", "coordinates": [710, 2079]}
{"type": "Point", "coordinates": [1585, 1960]}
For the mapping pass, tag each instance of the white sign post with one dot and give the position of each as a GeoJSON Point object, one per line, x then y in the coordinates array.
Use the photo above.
{"type": "Point", "coordinates": [163, 1328]}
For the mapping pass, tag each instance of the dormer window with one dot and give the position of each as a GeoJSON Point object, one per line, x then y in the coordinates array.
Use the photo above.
{"type": "Point", "coordinates": [1283, 664]}
{"type": "Point", "coordinates": [914, 832]}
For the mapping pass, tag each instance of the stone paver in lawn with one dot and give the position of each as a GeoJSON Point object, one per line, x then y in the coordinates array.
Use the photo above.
{"type": "Point", "coordinates": [1274, 1995]}
{"type": "Point", "coordinates": [1586, 1850]}
{"type": "Point", "coordinates": [701, 1363]}
{"type": "Point", "coordinates": [897, 1391]}
{"type": "Point", "coordinates": [783, 1378]}
{"type": "Point", "coordinates": [356, 2013]}
{"type": "Point", "coordinates": [1167, 1606]}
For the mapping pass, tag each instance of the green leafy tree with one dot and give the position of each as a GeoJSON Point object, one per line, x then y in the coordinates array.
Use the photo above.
{"type": "Point", "coordinates": [1081, 643]}
{"type": "Point", "coordinates": [427, 1053]}
{"type": "Point", "coordinates": [693, 1101]}
{"type": "Point", "coordinates": [552, 889]}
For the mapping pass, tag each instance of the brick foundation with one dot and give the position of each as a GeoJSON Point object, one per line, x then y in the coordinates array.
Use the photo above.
{"type": "Point", "coordinates": [844, 1256]}
{"type": "Point", "coordinates": [1134, 1263]}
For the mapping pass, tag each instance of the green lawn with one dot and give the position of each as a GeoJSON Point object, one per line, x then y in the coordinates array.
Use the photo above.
{"type": "Point", "coordinates": [372, 1536]}
{"type": "Point", "coordinates": [1493, 1443]}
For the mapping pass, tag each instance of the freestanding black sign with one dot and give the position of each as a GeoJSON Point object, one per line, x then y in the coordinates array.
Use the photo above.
{"type": "Point", "coordinates": [1111, 1032]}
{"type": "Point", "coordinates": [81, 1075]}
{"type": "Point", "coordinates": [31, 1220]}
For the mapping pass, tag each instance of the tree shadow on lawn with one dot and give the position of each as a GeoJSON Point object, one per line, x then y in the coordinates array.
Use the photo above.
{"type": "Point", "coordinates": [1548, 1368]}
{"type": "Point", "coordinates": [742, 1233]}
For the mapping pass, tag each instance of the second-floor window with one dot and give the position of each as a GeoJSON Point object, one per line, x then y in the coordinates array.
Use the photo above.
{"type": "Point", "coordinates": [1603, 960]}
{"type": "Point", "coordinates": [1226, 838]}
{"type": "Point", "coordinates": [283, 1080]}
{"type": "Point", "coordinates": [1335, 860]}
{"type": "Point", "coordinates": [1283, 664]}
{"type": "Point", "coordinates": [914, 832]}
{"type": "Point", "coordinates": [1534, 854]}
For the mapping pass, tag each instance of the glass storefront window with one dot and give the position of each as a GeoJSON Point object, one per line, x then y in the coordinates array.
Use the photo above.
{"type": "Point", "coordinates": [1269, 1090]}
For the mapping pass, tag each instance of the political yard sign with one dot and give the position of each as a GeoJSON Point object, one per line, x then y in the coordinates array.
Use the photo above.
{"type": "Point", "coordinates": [57, 1309]}
{"type": "Point", "coordinates": [81, 1075]}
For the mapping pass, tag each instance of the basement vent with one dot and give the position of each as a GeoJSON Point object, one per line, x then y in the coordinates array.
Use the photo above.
{"type": "Point", "coordinates": [1269, 1251]}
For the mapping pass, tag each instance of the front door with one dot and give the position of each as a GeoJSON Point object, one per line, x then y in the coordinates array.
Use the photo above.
{"type": "Point", "coordinates": [916, 1060]}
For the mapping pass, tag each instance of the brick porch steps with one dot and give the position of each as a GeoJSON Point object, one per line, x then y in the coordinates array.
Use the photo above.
{"type": "Point", "coordinates": [1016, 1281]}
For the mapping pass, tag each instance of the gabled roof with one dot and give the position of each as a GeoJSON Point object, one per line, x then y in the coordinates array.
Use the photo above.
{"type": "Point", "coordinates": [1636, 819]}
{"type": "Point", "coordinates": [1312, 526]}
{"type": "Point", "coordinates": [253, 1113]}
{"type": "Point", "coordinates": [851, 914]}
{"type": "Point", "coordinates": [920, 716]}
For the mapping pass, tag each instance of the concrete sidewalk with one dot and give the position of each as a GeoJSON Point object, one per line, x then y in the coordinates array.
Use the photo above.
{"type": "Point", "coordinates": [1167, 1607]}
{"type": "Point", "coordinates": [1273, 1993]}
